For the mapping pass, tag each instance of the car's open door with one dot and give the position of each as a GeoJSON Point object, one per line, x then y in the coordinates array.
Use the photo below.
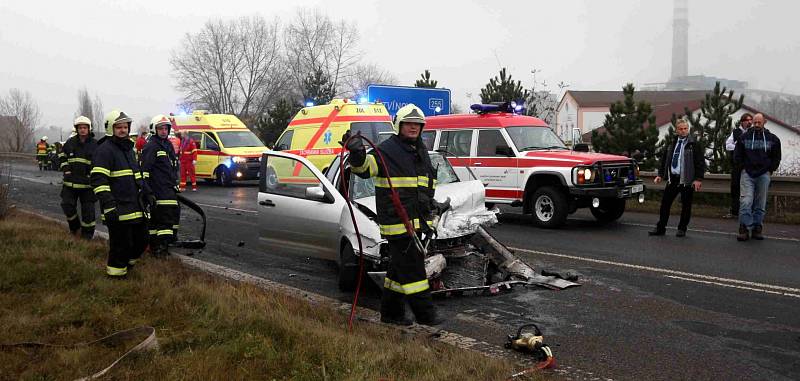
{"type": "Point", "coordinates": [298, 208]}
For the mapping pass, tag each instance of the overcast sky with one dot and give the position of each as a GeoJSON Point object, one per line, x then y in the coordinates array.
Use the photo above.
{"type": "Point", "coordinates": [120, 49]}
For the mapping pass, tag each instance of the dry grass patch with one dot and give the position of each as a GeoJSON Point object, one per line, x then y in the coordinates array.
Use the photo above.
{"type": "Point", "coordinates": [53, 290]}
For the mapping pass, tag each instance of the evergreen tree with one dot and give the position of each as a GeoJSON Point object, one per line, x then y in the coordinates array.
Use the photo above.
{"type": "Point", "coordinates": [318, 88]}
{"type": "Point", "coordinates": [713, 126]}
{"type": "Point", "coordinates": [270, 127]}
{"type": "Point", "coordinates": [630, 130]}
{"type": "Point", "coordinates": [503, 89]}
{"type": "Point", "coordinates": [426, 81]}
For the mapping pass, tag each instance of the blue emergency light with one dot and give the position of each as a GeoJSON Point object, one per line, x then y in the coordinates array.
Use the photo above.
{"type": "Point", "coordinates": [509, 107]}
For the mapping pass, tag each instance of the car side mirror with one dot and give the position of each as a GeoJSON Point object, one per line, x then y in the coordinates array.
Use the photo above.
{"type": "Point", "coordinates": [316, 193]}
{"type": "Point", "coordinates": [580, 147]}
{"type": "Point", "coordinates": [504, 150]}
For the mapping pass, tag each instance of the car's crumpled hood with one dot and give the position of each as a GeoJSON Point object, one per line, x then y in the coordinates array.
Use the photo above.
{"type": "Point", "coordinates": [467, 208]}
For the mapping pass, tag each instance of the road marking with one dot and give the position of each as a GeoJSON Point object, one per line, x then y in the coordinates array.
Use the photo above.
{"type": "Point", "coordinates": [227, 208]}
{"type": "Point", "coordinates": [665, 271]}
{"type": "Point", "coordinates": [51, 182]}
{"type": "Point", "coordinates": [713, 232]}
{"type": "Point", "coordinates": [734, 286]}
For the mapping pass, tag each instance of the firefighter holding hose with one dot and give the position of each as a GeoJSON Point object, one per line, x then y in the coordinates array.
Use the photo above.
{"type": "Point", "coordinates": [408, 168]}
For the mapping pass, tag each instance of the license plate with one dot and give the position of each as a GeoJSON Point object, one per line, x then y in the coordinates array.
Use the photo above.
{"type": "Point", "coordinates": [637, 188]}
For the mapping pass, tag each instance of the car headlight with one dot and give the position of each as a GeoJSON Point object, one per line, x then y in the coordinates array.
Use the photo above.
{"type": "Point", "coordinates": [239, 159]}
{"type": "Point", "coordinates": [585, 175]}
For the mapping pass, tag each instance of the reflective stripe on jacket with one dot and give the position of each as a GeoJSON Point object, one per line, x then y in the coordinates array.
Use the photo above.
{"type": "Point", "coordinates": [158, 167]}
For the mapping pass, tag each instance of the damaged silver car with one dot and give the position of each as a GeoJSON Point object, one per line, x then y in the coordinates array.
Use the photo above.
{"type": "Point", "coordinates": [302, 211]}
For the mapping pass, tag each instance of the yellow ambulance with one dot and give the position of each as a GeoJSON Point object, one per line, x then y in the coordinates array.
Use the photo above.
{"type": "Point", "coordinates": [315, 131]}
{"type": "Point", "coordinates": [226, 149]}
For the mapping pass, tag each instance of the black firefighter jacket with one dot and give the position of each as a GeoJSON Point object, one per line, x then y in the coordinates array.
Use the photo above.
{"type": "Point", "coordinates": [117, 179]}
{"type": "Point", "coordinates": [413, 177]}
{"type": "Point", "coordinates": [76, 158]}
{"type": "Point", "coordinates": [158, 167]}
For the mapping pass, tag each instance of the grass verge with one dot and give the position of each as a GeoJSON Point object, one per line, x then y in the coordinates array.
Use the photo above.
{"type": "Point", "coordinates": [53, 290]}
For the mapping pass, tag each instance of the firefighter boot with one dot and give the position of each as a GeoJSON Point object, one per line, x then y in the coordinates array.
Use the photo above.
{"type": "Point", "coordinates": [393, 309]}
{"type": "Point", "coordinates": [423, 308]}
{"type": "Point", "coordinates": [757, 233]}
{"type": "Point", "coordinates": [744, 234]}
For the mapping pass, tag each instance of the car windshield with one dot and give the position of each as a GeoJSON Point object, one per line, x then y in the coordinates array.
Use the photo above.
{"type": "Point", "coordinates": [233, 139]}
{"type": "Point", "coordinates": [361, 188]}
{"type": "Point", "coordinates": [530, 138]}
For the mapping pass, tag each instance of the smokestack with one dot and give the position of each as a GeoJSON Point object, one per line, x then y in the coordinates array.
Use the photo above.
{"type": "Point", "coordinates": [680, 40]}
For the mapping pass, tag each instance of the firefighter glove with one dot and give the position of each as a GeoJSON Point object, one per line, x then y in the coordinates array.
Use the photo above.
{"type": "Point", "coordinates": [355, 144]}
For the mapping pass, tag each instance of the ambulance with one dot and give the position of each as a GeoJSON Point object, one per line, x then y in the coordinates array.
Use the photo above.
{"type": "Point", "coordinates": [226, 149]}
{"type": "Point", "coordinates": [315, 131]}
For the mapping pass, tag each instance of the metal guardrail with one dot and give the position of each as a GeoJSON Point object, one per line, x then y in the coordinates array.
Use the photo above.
{"type": "Point", "coordinates": [18, 155]}
{"type": "Point", "coordinates": [716, 183]}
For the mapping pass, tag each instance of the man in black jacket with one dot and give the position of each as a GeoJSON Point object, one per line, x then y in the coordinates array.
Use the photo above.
{"type": "Point", "coordinates": [683, 166]}
{"type": "Point", "coordinates": [124, 197]}
{"type": "Point", "coordinates": [758, 153]}
{"type": "Point", "coordinates": [76, 163]}
{"type": "Point", "coordinates": [736, 170]}
{"type": "Point", "coordinates": [159, 164]}
{"type": "Point", "coordinates": [413, 177]}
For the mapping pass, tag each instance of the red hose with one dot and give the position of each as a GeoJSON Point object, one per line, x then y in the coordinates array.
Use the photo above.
{"type": "Point", "coordinates": [398, 207]}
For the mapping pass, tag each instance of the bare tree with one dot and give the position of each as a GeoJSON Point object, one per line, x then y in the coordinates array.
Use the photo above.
{"type": "Point", "coordinates": [98, 117]}
{"type": "Point", "coordinates": [22, 118]}
{"type": "Point", "coordinates": [314, 42]}
{"type": "Point", "coordinates": [542, 103]}
{"type": "Point", "coordinates": [85, 106]}
{"type": "Point", "coordinates": [363, 75]}
{"type": "Point", "coordinates": [235, 67]}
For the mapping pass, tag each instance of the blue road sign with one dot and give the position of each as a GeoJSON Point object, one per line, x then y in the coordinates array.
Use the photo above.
{"type": "Point", "coordinates": [395, 97]}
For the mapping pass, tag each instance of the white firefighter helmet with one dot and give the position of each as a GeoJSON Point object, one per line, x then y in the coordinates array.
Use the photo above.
{"type": "Point", "coordinates": [115, 117]}
{"type": "Point", "coordinates": [81, 120]}
{"type": "Point", "coordinates": [408, 113]}
{"type": "Point", "coordinates": [44, 138]}
{"type": "Point", "coordinates": [160, 120]}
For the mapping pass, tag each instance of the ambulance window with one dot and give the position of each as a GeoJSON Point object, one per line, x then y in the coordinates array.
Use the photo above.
{"type": "Point", "coordinates": [374, 131]}
{"type": "Point", "coordinates": [488, 141]}
{"type": "Point", "coordinates": [285, 141]}
{"type": "Point", "coordinates": [210, 143]}
{"type": "Point", "coordinates": [458, 143]}
{"type": "Point", "coordinates": [428, 137]}
{"type": "Point", "coordinates": [197, 137]}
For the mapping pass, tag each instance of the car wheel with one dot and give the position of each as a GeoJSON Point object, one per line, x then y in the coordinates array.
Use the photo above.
{"type": "Point", "coordinates": [224, 177]}
{"type": "Point", "coordinates": [549, 207]}
{"type": "Point", "coordinates": [610, 209]}
{"type": "Point", "coordinates": [271, 178]}
{"type": "Point", "coordinates": [348, 268]}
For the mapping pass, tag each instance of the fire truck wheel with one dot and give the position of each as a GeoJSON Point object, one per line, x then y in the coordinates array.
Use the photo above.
{"type": "Point", "coordinates": [348, 268]}
{"type": "Point", "coordinates": [549, 207]}
{"type": "Point", "coordinates": [610, 209]}
{"type": "Point", "coordinates": [224, 177]}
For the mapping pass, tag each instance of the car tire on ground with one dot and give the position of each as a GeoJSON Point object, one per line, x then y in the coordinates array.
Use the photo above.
{"type": "Point", "coordinates": [610, 209]}
{"type": "Point", "coordinates": [348, 269]}
{"type": "Point", "coordinates": [549, 207]}
{"type": "Point", "coordinates": [224, 176]}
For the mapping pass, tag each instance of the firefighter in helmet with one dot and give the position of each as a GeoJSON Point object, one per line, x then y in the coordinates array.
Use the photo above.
{"type": "Point", "coordinates": [159, 163]}
{"type": "Point", "coordinates": [76, 163]}
{"type": "Point", "coordinates": [41, 153]}
{"type": "Point", "coordinates": [124, 197]}
{"type": "Point", "coordinates": [414, 178]}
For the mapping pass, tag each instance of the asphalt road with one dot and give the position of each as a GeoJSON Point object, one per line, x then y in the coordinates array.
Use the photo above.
{"type": "Point", "coordinates": [658, 308]}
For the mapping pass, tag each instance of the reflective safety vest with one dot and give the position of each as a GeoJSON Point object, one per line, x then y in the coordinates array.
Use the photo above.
{"type": "Point", "coordinates": [76, 158]}
{"type": "Point", "coordinates": [117, 179]}
{"type": "Point", "coordinates": [41, 148]}
{"type": "Point", "coordinates": [411, 174]}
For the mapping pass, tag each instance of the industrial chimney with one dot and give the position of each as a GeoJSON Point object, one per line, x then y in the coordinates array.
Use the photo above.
{"type": "Point", "coordinates": [680, 40]}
